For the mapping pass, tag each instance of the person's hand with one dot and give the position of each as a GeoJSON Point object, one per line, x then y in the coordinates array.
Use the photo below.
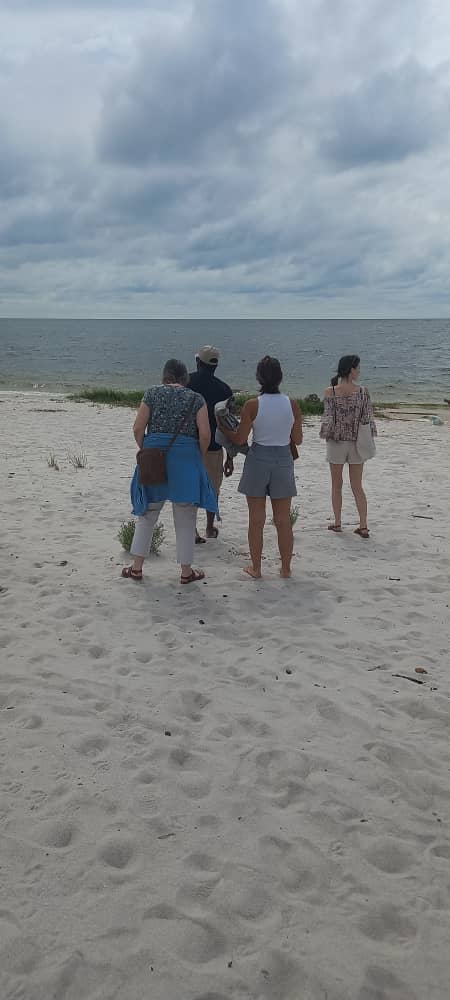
{"type": "Point", "coordinates": [228, 468]}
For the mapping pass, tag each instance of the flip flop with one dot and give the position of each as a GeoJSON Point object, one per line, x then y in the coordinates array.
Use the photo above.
{"type": "Point", "coordinates": [362, 532]}
{"type": "Point", "coordinates": [334, 527]}
{"type": "Point", "coordinates": [131, 574]}
{"type": "Point", "coordinates": [197, 574]}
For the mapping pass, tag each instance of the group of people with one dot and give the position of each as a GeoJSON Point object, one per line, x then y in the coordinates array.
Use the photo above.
{"type": "Point", "coordinates": [179, 417]}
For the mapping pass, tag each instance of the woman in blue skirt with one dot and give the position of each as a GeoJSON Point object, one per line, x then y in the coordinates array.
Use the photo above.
{"type": "Point", "coordinates": [159, 416]}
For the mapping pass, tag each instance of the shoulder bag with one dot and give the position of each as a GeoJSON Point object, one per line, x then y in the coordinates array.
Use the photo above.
{"type": "Point", "coordinates": [365, 444]}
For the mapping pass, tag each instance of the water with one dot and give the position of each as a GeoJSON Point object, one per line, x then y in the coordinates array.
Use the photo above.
{"type": "Point", "coordinates": [402, 360]}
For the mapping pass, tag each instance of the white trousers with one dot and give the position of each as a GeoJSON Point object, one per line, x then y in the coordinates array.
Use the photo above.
{"type": "Point", "coordinates": [184, 518]}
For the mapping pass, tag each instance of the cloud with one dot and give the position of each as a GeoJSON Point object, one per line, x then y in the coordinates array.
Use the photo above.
{"type": "Point", "coordinates": [211, 84]}
{"type": "Point", "coordinates": [216, 156]}
{"type": "Point", "coordinates": [387, 117]}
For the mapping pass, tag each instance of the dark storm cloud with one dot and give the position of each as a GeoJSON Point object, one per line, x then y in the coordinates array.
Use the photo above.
{"type": "Point", "coordinates": [211, 85]}
{"type": "Point", "coordinates": [214, 152]}
{"type": "Point", "coordinates": [387, 117]}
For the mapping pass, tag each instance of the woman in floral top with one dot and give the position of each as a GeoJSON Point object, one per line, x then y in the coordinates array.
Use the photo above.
{"type": "Point", "coordinates": [346, 405]}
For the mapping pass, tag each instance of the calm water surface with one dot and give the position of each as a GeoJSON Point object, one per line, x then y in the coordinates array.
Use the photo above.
{"type": "Point", "coordinates": [403, 360]}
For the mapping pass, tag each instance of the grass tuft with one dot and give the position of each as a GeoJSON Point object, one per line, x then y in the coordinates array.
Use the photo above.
{"type": "Point", "coordinates": [126, 535]}
{"type": "Point", "coordinates": [78, 459]}
{"type": "Point", "coordinates": [112, 397]}
{"type": "Point", "coordinates": [294, 513]}
{"type": "Point", "coordinates": [52, 462]}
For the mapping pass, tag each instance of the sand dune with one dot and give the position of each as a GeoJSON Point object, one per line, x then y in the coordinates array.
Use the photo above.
{"type": "Point", "coordinates": [222, 791]}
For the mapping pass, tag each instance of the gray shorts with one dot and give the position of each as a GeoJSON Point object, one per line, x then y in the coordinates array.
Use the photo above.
{"type": "Point", "coordinates": [342, 452]}
{"type": "Point", "coordinates": [268, 472]}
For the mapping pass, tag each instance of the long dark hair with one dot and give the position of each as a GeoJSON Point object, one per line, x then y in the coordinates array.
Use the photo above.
{"type": "Point", "coordinates": [345, 366]}
{"type": "Point", "coordinates": [269, 375]}
{"type": "Point", "coordinates": [175, 371]}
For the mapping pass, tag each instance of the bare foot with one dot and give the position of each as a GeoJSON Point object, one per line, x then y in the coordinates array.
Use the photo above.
{"type": "Point", "coordinates": [252, 572]}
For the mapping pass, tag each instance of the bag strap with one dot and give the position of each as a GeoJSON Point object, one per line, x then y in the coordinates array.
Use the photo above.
{"type": "Point", "coordinates": [182, 423]}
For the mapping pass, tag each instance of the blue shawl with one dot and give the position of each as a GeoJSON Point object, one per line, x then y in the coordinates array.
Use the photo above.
{"type": "Point", "coordinates": [187, 478]}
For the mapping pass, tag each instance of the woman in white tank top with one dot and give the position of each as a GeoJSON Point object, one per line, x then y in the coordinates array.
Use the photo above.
{"type": "Point", "coordinates": [268, 470]}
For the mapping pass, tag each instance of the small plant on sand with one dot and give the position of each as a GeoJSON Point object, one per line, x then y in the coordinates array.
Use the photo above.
{"type": "Point", "coordinates": [52, 462]}
{"type": "Point", "coordinates": [294, 513]}
{"type": "Point", "coordinates": [78, 459]}
{"type": "Point", "coordinates": [126, 535]}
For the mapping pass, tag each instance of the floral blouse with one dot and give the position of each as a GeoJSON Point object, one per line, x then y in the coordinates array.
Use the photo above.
{"type": "Point", "coordinates": [167, 403]}
{"type": "Point", "coordinates": [343, 414]}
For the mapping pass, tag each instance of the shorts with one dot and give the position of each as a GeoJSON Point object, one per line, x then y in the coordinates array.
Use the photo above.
{"type": "Point", "coordinates": [340, 452]}
{"type": "Point", "coordinates": [213, 461]}
{"type": "Point", "coordinates": [268, 472]}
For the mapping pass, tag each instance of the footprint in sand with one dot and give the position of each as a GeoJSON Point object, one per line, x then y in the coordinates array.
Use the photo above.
{"type": "Point", "coordinates": [390, 924]}
{"type": "Point", "coordinates": [391, 857]}
{"type": "Point", "coordinates": [59, 834]}
{"type": "Point", "coordinates": [195, 940]}
{"type": "Point", "coordinates": [380, 984]}
{"type": "Point", "coordinates": [116, 852]}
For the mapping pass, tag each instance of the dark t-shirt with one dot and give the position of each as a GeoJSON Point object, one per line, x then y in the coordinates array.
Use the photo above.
{"type": "Point", "coordinates": [213, 391]}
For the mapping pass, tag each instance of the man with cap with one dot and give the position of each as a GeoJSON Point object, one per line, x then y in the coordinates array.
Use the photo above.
{"type": "Point", "coordinates": [213, 391]}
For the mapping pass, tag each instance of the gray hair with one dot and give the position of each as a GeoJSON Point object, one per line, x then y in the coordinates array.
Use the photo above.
{"type": "Point", "coordinates": [175, 371]}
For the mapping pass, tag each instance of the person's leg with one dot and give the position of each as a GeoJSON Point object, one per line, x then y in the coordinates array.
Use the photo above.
{"type": "Point", "coordinates": [199, 540]}
{"type": "Point", "coordinates": [142, 539]}
{"type": "Point", "coordinates": [184, 518]}
{"type": "Point", "coordinates": [211, 531]}
{"type": "Point", "coordinates": [282, 520]}
{"type": "Point", "coordinates": [214, 467]}
{"type": "Point", "coordinates": [356, 473]}
{"type": "Point", "coordinates": [336, 494]}
{"type": "Point", "coordinates": [256, 522]}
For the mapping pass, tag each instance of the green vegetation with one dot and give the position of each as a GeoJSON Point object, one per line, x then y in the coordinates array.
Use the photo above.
{"type": "Point", "coordinates": [308, 407]}
{"type": "Point", "coordinates": [126, 535]}
{"type": "Point", "coordinates": [113, 397]}
{"type": "Point", "coordinates": [78, 459]}
{"type": "Point", "coordinates": [52, 462]}
{"type": "Point", "coordinates": [294, 513]}
{"type": "Point", "coordinates": [132, 398]}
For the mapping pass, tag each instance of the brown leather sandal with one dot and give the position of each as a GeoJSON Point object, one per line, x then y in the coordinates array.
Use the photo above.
{"type": "Point", "coordinates": [362, 532]}
{"type": "Point", "coordinates": [334, 527]}
{"type": "Point", "coordinates": [131, 574]}
{"type": "Point", "coordinates": [197, 574]}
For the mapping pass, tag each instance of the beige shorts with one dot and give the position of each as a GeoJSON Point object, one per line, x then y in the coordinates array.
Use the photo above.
{"type": "Point", "coordinates": [340, 452]}
{"type": "Point", "coordinates": [214, 466]}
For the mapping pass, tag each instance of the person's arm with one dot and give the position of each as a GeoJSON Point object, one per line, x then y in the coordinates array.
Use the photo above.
{"type": "Point", "coordinates": [297, 429]}
{"type": "Point", "coordinates": [248, 415]}
{"type": "Point", "coordinates": [328, 418]}
{"type": "Point", "coordinates": [142, 419]}
{"type": "Point", "coordinates": [204, 430]}
{"type": "Point", "coordinates": [367, 415]}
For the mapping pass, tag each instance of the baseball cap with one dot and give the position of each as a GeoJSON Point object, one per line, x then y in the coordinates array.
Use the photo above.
{"type": "Point", "coordinates": [208, 355]}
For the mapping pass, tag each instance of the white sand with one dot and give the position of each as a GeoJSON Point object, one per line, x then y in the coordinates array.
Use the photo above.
{"type": "Point", "coordinates": [289, 840]}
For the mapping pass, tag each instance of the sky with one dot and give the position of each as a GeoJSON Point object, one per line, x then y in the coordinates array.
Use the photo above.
{"type": "Point", "coordinates": [224, 158]}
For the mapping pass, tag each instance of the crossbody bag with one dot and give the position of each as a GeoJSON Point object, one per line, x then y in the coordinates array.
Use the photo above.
{"type": "Point", "coordinates": [152, 462]}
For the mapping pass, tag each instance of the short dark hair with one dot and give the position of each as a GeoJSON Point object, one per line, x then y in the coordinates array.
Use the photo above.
{"type": "Point", "coordinates": [175, 371]}
{"type": "Point", "coordinates": [269, 375]}
{"type": "Point", "coordinates": [345, 367]}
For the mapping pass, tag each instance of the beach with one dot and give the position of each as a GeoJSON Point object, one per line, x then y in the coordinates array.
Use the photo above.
{"type": "Point", "coordinates": [235, 790]}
